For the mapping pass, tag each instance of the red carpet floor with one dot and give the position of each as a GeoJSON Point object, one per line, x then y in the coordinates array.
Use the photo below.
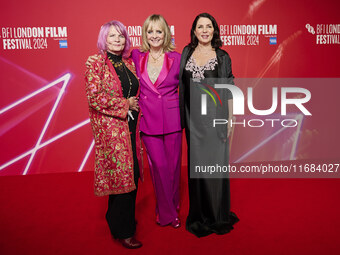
{"type": "Point", "coordinates": [58, 214]}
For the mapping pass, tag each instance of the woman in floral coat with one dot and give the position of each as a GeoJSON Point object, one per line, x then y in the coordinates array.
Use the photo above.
{"type": "Point", "coordinates": [112, 90]}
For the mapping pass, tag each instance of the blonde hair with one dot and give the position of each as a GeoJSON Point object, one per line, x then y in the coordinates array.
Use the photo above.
{"type": "Point", "coordinates": [154, 18]}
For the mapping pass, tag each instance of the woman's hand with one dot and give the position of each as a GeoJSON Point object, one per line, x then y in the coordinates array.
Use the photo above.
{"type": "Point", "coordinates": [90, 60]}
{"type": "Point", "coordinates": [133, 104]}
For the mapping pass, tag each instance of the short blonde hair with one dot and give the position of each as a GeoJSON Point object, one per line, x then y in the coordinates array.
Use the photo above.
{"type": "Point", "coordinates": [155, 18]}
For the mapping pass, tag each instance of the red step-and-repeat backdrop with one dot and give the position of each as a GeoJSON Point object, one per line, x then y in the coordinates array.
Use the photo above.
{"type": "Point", "coordinates": [44, 124]}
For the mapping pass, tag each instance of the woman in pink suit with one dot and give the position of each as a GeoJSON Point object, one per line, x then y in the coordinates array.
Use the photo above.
{"type": "Point", "coordinates": [157, 67]}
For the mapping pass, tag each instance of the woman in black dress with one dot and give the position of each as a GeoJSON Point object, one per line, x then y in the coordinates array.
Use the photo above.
{"type": "Point", "coordinates": [203, 63]}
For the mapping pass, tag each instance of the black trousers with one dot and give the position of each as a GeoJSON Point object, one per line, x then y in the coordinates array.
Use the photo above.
{"type": "Point", "coordinates": [120, 213]}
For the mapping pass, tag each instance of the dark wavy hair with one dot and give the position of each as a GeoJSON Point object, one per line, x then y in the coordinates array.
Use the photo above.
{"type": "Point", "coordinates": [216, 40]}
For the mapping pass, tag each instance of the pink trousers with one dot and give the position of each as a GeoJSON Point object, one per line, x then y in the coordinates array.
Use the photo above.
{"type": "Point", "coordinates": [164, 156]}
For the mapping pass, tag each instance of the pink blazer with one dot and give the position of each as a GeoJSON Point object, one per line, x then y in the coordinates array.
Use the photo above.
{"type": "Point", "coordinates": [159, 102]}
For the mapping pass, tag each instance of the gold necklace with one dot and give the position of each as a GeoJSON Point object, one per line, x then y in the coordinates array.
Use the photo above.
{"type": "Point", "coordinates": [119, 64]}
{"type": "Point", "coordinates": [127, 74]}
{"type": "Point", "coordinates": [156, 59]}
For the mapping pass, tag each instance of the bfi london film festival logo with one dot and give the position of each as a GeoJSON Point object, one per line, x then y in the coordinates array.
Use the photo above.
{"type": "Point", "coordinates": [239, 102]}
{"type": "Point", "coordinates": [32, 38]}
{"type": "Point", "coordinates": [248, 35]}
{"type": "Point", "coordinates": [325, 33]}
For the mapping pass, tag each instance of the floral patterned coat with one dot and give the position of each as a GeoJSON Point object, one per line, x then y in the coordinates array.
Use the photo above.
{"type": "Point", "coordinates": [108, 114]}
